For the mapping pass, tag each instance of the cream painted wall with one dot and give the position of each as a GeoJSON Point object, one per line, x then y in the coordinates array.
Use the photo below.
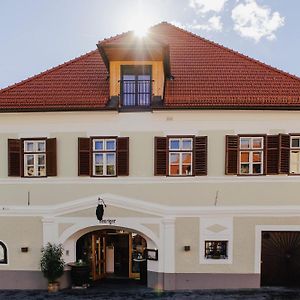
{"type": "Point", "coordinates": [18, 232]}
{"type": "Point", "coordinates": [141, 128]}
{"type": "Point", "coordinates": [168, 192]}
{"type": "Point", "coordinates": [187, 233]}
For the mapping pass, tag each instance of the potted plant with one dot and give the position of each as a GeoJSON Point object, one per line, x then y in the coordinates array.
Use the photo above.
{"type": "Point", "coordinates": [52, 265]}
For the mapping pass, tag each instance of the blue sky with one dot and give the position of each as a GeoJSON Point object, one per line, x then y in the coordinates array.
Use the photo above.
{"type": "Point", "coordinates": [38, 34]}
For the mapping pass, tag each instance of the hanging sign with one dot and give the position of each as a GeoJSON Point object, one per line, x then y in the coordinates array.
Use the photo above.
{"type": "Point", "coordinates": [100, 212]}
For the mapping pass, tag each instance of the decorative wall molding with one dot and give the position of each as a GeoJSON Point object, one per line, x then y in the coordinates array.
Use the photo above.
{"type": "Point", "coordinates": [216, 229]}
{"type": "Point", "coordinates": [153, 180]}
{"type": "Point", "coordinates": [147, 207]}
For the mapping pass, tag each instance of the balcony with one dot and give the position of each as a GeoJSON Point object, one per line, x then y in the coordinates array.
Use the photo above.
{"type": "Point", "coordinates": [136, 93]}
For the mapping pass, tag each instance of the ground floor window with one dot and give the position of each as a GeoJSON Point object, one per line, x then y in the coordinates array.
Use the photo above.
{"type": "Point", "coordinates": [216, 249]}
{"type": "Point", "coordinates": [3, 253]}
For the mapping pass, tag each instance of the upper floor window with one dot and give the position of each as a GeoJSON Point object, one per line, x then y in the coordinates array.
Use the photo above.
{"type": "Point", "coordinates": [295, 155]}
{"type": "Point", "coordinates": [34, 157]}
{"type": "Point", "coordinates": [104, 157]}
{"type": "Point", "coordinates": [180, 156]}
{"type": "Point", "coordinates": [251, 155]}
{"type": "Point", "coordinates": [136, 86]}
{"type": "Point", "coordinates": [3, 253]}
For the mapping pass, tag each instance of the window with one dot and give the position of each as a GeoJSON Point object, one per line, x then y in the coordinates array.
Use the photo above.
{"type": "Point", "coordinates": [104, 157]}
{"type": "Point", "coordinates": [251, 155]}
{"type": "Point", "coordinates": [3, 253]}
{"type": "Point", "coordinates": [295, 155]}
{"type": "Point", "coordinates": [180, 156]}
{"type": "Point", "coordinates": [34, 158]}
{"type": "Point", "coordinates": [136, 87]}
{"type": "Point", "coordinates": [216, 249]}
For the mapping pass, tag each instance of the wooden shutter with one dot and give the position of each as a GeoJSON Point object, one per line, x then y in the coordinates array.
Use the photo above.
{"type": "Point", "coordinates": [51, 159]}
{"type": "Point", "coordinates": [160, 156]}
{"type": "Point", "coordinates": [123, 156]}
{"type": "Point", "coordinates": [200, 150]}
{"type": "Point", "coordinates": [272, 153]}
{"type": "Point", "coordinates": [284, 154]}
{"type": "Point", "coordinates": [14, 157]}
{"type": "Point", "coordinates": [84, 157]}
{"type": "Point", "coordinates": [232, 142]}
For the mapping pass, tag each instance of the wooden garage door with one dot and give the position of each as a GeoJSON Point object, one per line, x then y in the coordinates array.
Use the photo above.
{"type": "Point", "coordinates": [280, 258]}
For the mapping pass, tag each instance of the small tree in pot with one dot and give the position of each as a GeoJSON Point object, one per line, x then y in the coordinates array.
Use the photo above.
{"type": "Point", "coordinates": [52, 265]}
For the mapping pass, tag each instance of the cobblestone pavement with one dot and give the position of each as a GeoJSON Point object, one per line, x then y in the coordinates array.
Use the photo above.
{"type": "Point", "coordinates": [113, 292]}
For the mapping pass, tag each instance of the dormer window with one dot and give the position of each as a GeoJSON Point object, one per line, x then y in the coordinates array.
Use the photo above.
{"type": "Point", "coordinates": [136, 86]}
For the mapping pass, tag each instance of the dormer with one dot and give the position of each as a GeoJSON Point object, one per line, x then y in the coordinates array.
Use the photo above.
{"type": "Point", "coordinates": [137, 68]}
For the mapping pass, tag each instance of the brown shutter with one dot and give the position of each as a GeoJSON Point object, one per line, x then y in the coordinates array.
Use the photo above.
{"type": "Point", "coordinates": [284, 154]}
{"type": "Point", "coordinates": [160, 156]}
{"type": "Point", "coordinates": [272, 152]}
{"type": "Point", "coordinates": [84, 157]}
{"type": "Point", "coordinates": [231, 154]}
{"type": "Point", "coordinates": [200, 146]}
{"type": "Point", "coordinates": [14, 157]}
{"type": "Point", "coordinates": [51, 159]}
{"type": "Point", "coordinates": [123, 156]}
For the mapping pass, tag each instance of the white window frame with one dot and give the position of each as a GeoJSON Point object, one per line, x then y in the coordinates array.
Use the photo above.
{"type": "Point", "coordinates": [251, 150]}
{"type": "Point", "coordinates": [35, 153]}
{"type": "Point", "coordinates": [181, 151]}
{"type": "Point", "coordinates": [224, 233]}
{"type": "Point", "coordinates": [104, 152]}
{"type": "Point", "coordinates": [294, 149]}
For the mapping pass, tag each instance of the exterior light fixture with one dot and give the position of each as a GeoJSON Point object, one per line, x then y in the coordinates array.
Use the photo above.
{"type": "Point", "coordinates": [187, 248]}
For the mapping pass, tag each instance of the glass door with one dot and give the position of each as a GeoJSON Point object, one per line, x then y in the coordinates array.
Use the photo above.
{"type": "Point", "coordinates": [136, 85]}
{"type": "Point", "coordinates": [98, 256]}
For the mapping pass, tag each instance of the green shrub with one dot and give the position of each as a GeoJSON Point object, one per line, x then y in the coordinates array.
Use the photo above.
{"type": "Point", "coordinates": [52, 263]}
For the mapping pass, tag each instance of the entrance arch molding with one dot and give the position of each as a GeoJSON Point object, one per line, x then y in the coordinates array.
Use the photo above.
{"type": "Point", "coordinates": [121, 223]}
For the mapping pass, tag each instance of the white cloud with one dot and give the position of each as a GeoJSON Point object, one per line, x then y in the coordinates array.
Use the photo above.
{"type": "Point", "coordinates": [213, 24]}
{"type": "Point", "coordinates": [254, 21]}
{"type": "Point", "coordinates": [205, 6]}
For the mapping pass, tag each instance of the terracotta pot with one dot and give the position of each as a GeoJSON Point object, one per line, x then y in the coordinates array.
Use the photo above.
{"type": "Point", "coordinates": [53, 287]}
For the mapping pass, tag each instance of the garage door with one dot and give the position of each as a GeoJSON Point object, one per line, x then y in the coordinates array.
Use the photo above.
{"type": "Point", "coordinates": [280, 258]}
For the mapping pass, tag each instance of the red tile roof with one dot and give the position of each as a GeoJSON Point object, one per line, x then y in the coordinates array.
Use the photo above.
{"type": "Point", "coordinates": [207, 75]}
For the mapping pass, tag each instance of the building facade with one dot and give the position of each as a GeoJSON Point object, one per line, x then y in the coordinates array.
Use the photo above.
{"type": "Point", "coordinates": [194, 149]}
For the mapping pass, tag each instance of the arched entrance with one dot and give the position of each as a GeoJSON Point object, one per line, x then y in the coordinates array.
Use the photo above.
{"type": "Point", "coordinates": [113, 253]}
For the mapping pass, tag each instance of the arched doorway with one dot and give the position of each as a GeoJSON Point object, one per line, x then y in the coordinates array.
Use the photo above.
{"type": "Point", "coordinates": [114, 254]}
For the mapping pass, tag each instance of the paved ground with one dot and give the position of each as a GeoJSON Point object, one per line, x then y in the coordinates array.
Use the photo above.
{"type": "Point", "coordinates": [133, 291]}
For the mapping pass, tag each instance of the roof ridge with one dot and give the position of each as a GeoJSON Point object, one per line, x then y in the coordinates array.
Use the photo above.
{"type": "Point", "coordinates": [114, 37]}
{"type": "Point", "coordinates": [233, 51]}
{"type": "Point", "coordinates": [57, 67]}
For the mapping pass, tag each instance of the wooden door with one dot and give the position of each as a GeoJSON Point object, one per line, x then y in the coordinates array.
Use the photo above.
{"type": "Point", "coordinates": [98, 256]}
{"type": "Point", "coordinates": [280, 258]}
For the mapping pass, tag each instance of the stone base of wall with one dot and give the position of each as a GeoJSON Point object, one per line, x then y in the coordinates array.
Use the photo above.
{"type": "Point", "coordinates": [29, 280]}
{"type": "Point", "coordinates": [193, 281]}
{"type": "Point", "coordinates": [26, 280]}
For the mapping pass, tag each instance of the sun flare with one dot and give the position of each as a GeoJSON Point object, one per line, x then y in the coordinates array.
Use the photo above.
{"type": "Point", "coordinates": [141, 31]}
